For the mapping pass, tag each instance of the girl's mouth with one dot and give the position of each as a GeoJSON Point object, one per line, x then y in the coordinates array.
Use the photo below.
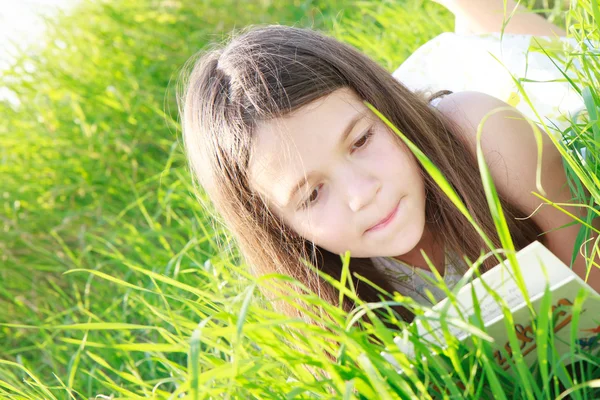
{"type": "Point", "coordinates": [386, 220]}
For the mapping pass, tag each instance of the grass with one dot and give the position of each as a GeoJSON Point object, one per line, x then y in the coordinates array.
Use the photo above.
{"type": "Point", "coordinates": [112, 284]}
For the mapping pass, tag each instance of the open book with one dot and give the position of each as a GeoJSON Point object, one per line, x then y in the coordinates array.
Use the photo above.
{"type": "Point", "coordinates": [538, 267]}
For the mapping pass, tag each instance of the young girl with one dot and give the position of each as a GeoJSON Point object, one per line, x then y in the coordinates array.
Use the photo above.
{"type": "Point", "coordinates": [277, 133]}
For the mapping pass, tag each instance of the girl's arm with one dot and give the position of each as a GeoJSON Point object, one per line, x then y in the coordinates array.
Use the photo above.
{"type": "Point", "coordinates": [486, 16]}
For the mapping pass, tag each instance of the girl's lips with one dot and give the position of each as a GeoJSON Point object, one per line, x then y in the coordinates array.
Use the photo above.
{"type": "Point", "coordinates": [386, 221]}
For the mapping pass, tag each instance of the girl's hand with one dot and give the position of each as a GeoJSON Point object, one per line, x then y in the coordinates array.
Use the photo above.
{"type": "Point", "coordinates": [466, 6]}
{"type": "Point", "coordinates": [462, 24]}
{"type": "Point", "coordinates": [486, 16]}
{"type": "Point", "coordinates": [449, 4]}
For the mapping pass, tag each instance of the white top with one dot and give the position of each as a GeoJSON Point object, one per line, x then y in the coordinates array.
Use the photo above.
{"type": "Point", "coordinates": [486, 63]}
{"type": "Point", "coordinates": [413, 281]}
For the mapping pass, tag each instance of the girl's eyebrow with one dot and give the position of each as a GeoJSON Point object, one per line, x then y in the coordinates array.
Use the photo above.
{"type": "Point", "coordinates": [304, 180]}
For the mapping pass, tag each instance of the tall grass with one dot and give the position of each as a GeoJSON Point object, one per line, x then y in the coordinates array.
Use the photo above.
{"type": "Point", "coordinates": [112, 284]}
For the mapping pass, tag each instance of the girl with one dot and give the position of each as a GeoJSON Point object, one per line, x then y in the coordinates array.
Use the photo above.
{"type": "Point", "coordinates": [277, 133]}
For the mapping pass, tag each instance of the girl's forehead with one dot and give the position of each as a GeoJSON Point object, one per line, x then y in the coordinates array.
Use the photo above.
{"type": "Point", "coordinates": [287, 147]}
{"type": "Point", "coordinates": [321, 118]}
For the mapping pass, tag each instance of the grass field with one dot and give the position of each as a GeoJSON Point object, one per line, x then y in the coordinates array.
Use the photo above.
{"type": "Point", "coordinates": [111, 280]}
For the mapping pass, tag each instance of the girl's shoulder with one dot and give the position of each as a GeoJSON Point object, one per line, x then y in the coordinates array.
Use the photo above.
{"type": "Point", "coordinates": [510, 149]}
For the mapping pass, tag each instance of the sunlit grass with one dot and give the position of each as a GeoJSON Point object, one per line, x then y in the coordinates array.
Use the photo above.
{"type": "Point", "coordinates": [94, 184]}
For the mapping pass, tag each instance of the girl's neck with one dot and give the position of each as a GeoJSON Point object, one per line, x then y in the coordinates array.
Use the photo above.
{"type": "Point", "coordinates": [433, 246]}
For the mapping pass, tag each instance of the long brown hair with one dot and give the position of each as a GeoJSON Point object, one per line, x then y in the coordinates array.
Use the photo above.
{"type": "Point", "coordinates": [268, 72]}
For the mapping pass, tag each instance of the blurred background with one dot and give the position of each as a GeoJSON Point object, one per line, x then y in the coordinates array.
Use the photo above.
{"type": "Point", "coordinates": [93, 180]}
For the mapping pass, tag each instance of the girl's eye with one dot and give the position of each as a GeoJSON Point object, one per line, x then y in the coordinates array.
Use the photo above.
{"type": "Point", "coordinates": [364, 139]}
{"type": "Point", "coordinates": [313, 197]}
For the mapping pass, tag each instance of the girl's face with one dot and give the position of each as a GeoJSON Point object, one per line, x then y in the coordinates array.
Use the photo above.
{"type": "Point", "coordinates": [338, 177]}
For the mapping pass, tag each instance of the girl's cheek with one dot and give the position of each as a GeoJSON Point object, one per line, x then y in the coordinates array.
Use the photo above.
{"type": "Point", "coordinates": [332, 226]}
{"type": "Point", "coordinates": [308, 225]}
{"type": "Point", "coordinates": [324, 226]}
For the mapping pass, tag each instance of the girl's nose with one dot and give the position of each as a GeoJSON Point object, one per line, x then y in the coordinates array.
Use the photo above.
{"type": "Point", "coordinates": [361, 190]}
